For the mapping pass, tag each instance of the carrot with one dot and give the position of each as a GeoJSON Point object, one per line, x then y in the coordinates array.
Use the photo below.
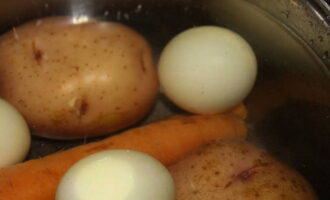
{"type": "Point", "coordinates": [239, 111]}
{"type": "Point", "coordinates": [167, 140]}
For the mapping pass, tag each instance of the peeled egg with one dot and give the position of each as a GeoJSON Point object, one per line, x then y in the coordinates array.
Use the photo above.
{"type": "Point", "coordinates": [15, 136]}
{"type": "Point", "coordinates": [118, 175]}
{"type": "Point", "coordinates": [207, 69]}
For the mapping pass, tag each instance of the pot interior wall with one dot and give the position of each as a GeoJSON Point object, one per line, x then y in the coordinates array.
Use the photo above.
{"type": "Point", "coordinates": [289, 108]}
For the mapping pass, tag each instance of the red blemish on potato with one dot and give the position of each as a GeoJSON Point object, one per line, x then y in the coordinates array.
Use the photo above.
{"type": "Point", "coordinates": [246, 174]}
{"type": "Point", "coordinates": [228, 184]}
{"type": "Point", "coordinates": [142, 63]}
{"type": "Point", "coordinates": [80, 106]}
{"type": "Point", "coordinates": [83, 106]}
{"type": "Point", "coordinates": [37, 53]}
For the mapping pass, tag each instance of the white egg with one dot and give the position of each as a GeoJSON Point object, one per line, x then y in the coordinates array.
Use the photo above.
{"type": "Point", "coordinates": [117, 175]}
{"type": "Point", "coordinates": [207, 69]}
{"type": "Point", "coordinates": [15, 136]}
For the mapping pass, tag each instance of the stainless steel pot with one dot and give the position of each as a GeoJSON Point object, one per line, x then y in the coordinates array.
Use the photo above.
{"type": "Point", "coordinates": [289, 108]}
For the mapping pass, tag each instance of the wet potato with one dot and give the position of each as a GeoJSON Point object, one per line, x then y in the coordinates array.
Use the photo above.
{"type": "Point", "coordinates": [77, 80]}
{"type": "Point", "coordinates": [232, 169]}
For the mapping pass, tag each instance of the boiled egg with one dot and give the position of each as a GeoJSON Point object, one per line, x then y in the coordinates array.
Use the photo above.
{"type": "Point", "coordinates": [118, 175]}
{"type": "Point", "coordinates": [15, 136]}
{"type": "Point", "coordinates": [207, 69]}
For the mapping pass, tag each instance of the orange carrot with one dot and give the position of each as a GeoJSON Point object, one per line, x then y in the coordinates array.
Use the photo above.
{"type": "Point", "coordinates": [167, 140]}
{"type": "Point", "coordinates": [238, 111]}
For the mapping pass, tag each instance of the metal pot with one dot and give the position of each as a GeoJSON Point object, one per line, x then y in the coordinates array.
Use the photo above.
{"type": "Point", "coordinates": [289, 108]}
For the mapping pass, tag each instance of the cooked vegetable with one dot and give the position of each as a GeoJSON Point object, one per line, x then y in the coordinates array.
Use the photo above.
{"type": "Point", "coordinates": [15, 136]}
{"type": "Point", "coordinates": [167, 141]}
{"type": "Point", "coordinates": [239, 111]}
{"type": "Point", "coordinates": [117, 175]}
{"type": "Point", "coordinates": [207, 69]}
{"type": "Point", "coordinates": [234, 169]}
{"type": "Point", "coordinates": [77, 80]}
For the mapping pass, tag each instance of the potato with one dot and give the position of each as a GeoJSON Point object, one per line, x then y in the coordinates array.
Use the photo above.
{"type": "Point", "coordinates": [232, 169]}
{"type": "Point", "coordinates": [74, 80]}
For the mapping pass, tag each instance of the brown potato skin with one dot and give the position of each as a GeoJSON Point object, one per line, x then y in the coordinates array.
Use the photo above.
{"type": "Point", "coordinates": [77, 80]}
{"type": "Point", "coordinates": [232, 169]}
